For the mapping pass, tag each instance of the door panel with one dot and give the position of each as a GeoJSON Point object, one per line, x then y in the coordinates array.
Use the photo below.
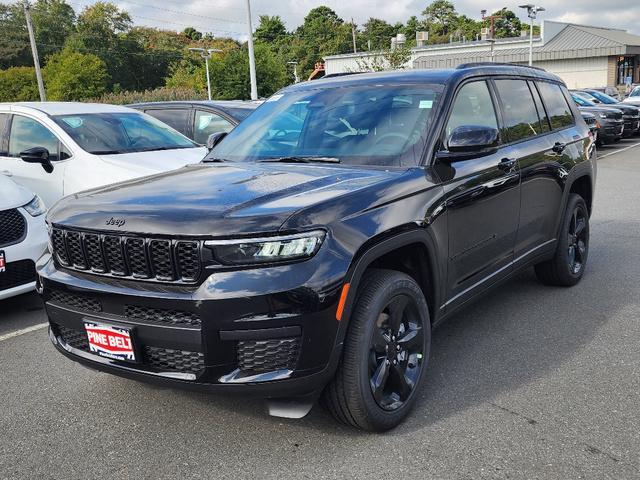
{"type": "Point", "coordinates": [483, 203]}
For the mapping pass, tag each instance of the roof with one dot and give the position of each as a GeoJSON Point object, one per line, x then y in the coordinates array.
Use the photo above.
{"type": "Point", "coordinates": [436, 76]}
{"type": "Point", "coordinates": [65, 108]}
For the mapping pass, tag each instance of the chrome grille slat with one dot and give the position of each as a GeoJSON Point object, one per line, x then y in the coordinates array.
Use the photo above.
{"type": "Point", "coordinates": [123, 256]}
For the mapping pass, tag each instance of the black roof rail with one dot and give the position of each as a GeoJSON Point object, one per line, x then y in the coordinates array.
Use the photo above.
{"type": "Point", "coordinates": [488, 64]}
{"type": "Point", "coordinates": [342, 74]}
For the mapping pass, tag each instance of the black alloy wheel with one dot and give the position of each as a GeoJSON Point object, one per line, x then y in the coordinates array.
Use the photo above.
{"type": "Point", "coordinates": [396, 353]}
{"type": "Point", "coordinates": [577, 240]}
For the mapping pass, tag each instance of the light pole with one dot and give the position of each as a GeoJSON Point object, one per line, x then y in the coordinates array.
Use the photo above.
{"type": "Point", "coordinates": [34, 51]}
{"type": "Point", "coordinates": [252, 58]}
{"type": "Point", "coordinates": [296, 78]}
{"type": "Point", "coordinates": [206, 53]}
{"type": "Point", "coordinates": [532, 13]}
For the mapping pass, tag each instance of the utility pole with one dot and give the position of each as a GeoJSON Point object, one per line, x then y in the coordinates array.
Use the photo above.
{"type": "Point", "coordinates": [34, 51]}
{"type": "Point", "coordinates": [252, 58]}
{"type": "Point", "coordinates": [353, 35]}
{"type": "Point", "coordinates": [532, 13]}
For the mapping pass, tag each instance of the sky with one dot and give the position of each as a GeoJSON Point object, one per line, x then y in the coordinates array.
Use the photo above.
{"type": "Point", "coordinates": [226, 18]}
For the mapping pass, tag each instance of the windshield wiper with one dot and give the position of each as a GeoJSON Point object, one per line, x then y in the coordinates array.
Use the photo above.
{"type": "Point", "coordinates": [213, 160]}
{"type": "Point", "coordinates": [300, 159]}
{"type": "Point", "coordinates": [108, 152]}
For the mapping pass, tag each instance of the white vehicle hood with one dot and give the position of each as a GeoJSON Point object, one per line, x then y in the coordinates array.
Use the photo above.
{"type": "Point", "coordinates": [13, 195]}
{"type": "Point", "coordinates": [148, 163]}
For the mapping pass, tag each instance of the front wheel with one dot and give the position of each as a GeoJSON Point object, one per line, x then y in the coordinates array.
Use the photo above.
{"type": "Point", "coordinates": [385, 355]}
{"type": "Point", "coordinates": [567, 266]}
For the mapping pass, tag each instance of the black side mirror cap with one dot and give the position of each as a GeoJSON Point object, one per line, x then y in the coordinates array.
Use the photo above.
{"type": "Point", "coordinates": [38, 155]}
{"type": "Point", "coordinates": [469, 141]}
{"type": "Point", "coordinates": [214, 139]}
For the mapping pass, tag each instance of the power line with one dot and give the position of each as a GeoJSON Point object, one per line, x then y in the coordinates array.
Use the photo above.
{"type": "Point", "coordinates": [217, 19]}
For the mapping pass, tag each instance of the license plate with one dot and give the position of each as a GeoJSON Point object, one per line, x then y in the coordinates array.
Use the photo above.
{"type": "Point", "coordinates": [110, 341]}
{"type": "Point", "coordinates": [3, 262]}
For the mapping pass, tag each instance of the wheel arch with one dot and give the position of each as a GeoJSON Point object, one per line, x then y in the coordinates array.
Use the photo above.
{"type": "Point", "coordinates": [396, 252]}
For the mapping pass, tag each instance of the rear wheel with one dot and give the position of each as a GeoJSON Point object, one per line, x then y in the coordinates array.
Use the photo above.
{"type": "Point", "coordinates": [385, 353]}
{"type": "Point", "coordinates": [567, 266]}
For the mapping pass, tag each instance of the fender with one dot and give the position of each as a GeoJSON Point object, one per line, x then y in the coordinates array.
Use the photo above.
{"type": "Point", "coordinates": [364, 259]}
{"type": "Point", "coordinates": [581, 170]}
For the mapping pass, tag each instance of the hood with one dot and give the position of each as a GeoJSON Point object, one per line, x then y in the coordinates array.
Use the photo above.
{"type": "Point", "coordinates": [599, 109]}
{"type": "Point", "coordinates": [13, 195]}
{"type": "Point", "coordinates": [626, 109]}
{"type": "Point", "coordinates": [148, 163]}
{"type": "Point", "coordinates": [634, 101]}
{"type": "Point", "coordinates": [213, 199]}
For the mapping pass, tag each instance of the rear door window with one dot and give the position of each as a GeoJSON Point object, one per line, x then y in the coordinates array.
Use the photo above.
{"type": "Point", "coordinates": [519, 111]}
{"type": "Point", "coordinates": [207, 123]}
{"type": "Point", "coordinates": [176, 118]}
{"type": "Point", "coordinates": [556, 104]}
{"type": "Point", "coordinates": [27, 133]}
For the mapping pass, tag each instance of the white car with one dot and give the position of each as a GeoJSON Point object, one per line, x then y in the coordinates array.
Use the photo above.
{"type": "Point", "coordinates": [23, 237]}
{"type": "Point", "coordinates": [60, 148]}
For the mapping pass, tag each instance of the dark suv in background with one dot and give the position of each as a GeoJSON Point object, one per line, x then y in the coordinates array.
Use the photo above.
{"type": "Point", "coordinates": [612, 124]}
{"type": "Point", "coordinates": [317, 246]}
{"type": "Point", "coordinates": [630, 114]}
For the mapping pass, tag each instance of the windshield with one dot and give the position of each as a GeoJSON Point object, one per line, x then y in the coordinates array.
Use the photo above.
{"type": "Point", "coordinates": [603, 97]}
{"type": "Point", "coordinates": [582, 102]}
{"type": "Point", "coordinates": [121, 132]}
{"type": "Point", "coordinates": [372, 125]}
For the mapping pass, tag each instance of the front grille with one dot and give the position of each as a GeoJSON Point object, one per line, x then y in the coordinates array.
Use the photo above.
{"type": "Point", "coordinates": [173, 360]}
{"type": "Point", "coordinates": [18, 273]}
{"type": "Point", "coordinates": [73, 338]}
{"type": "Point", "coordinates": [127, 256]}
{"type": "Point", "coordinates": [78, 302]}
{"type": "Point", "coordinates": [259, 356]}
{"type": "Point", "coordinates": [12, 227]}
{"type": "Point", "coordinates": [159, 315]}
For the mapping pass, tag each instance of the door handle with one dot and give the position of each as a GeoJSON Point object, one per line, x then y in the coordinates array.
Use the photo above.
{"type": "Point", "coordinates": [6, 173]}
{"type": "Point", "coordinates": [559, 147]}
{"type": "Point", "coordinates": [507, 164]}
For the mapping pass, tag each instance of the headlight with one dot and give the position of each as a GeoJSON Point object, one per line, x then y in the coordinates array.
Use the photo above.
{"type": "Point", "coordinates": [253, 251]}
{"type": "Point", "coordinates": [35, 207]}
{"type": "Point", "coordinates": [602, 115]}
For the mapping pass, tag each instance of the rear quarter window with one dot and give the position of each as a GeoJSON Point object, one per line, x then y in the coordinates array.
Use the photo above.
{"type": "Point", "coordinates": [556, 104]}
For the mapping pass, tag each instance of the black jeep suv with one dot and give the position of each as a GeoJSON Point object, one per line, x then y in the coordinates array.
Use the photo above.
{"type": "Point", "coordinates": [317, 246]}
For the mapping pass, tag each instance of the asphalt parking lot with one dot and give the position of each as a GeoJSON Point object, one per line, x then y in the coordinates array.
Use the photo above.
{"type": "Point", "coordinates": [531, 382]}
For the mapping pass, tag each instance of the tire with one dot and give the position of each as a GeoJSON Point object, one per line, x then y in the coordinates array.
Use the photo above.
{"type": "Point", "coordinates": [367, 353]}
{"type": "Point", "coordinates": [573, 243]}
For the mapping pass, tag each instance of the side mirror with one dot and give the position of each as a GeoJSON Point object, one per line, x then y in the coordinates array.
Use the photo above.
{"type": "Point", "coordinates": [472, 140]}
{"type": "Point", "coordinates": [38, 155]}
{"type": "Point", "coordinates": [214, 139]}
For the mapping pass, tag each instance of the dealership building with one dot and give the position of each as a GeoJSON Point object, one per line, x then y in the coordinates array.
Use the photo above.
{"type": "Point", "coordinates": [583, 56]}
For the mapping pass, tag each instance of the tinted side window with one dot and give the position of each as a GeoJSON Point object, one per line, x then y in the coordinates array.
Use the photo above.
{"type": "Point", "coordinates": [557, 107]}
{"type": "Point", "coordinates": [3, 137]}
{"type": "Point", "coordinates": [519, 112]}
{"type": "Point", "coordinates": [544, 120]}
{"type": "Point", "coordinates": [207, 123]}
{"type": "Point", "coordinates": [28, 133]}
{"type": "Point", "coordinates": [472, 106]}
{"type": "Point", "coordinates": [176, 118]}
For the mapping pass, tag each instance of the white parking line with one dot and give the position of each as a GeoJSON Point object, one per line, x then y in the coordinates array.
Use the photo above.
{"type": "Point", "coordinates": [618, 151]}
{"type": "Point", "coordinates": [17, 333]}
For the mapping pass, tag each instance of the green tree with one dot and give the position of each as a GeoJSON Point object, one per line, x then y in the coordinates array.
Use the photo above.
{"type": "Point", "coordinates": [441, 17]}
{"type": "Point", "coordinates": [270, 30]}
{"type": "Point", "coordinates": [508, 25]}
{"type": "Point", "coordinates": [322, 33]}
{"type": "Point", "coordinates": [73, 75]}
{"type": "Point", "coordinates": [410, 29]}
{"type": "Point", "coordinates": [18, 84]}
{"type": "Point", "coordinates": [377, 33]}
{"type": "Point", "coordinates": [53, 21]}
{"type": "Point", "coordinates": [192, 33]}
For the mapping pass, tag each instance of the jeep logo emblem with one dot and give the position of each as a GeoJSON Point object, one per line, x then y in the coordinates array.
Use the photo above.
{"type": "Point", "coordinates": [117, 222]}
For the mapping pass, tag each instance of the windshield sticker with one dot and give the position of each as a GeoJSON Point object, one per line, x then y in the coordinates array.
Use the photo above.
{"type": "Point", "coordinates": [73, 122]}
{"type": "Point", "coordinates": [426, 104]}
{"type": "Point", "coordinates": [275, 98]}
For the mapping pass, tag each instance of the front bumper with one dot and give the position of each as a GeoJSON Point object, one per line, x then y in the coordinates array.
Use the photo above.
{"type": "Point", "coordinates": [21, 258]}
{"type": "Point", "coordinates": [270, 332]}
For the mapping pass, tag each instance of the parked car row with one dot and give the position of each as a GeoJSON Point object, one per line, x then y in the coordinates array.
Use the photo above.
{"type": "Point", "coordinates": [616, 120]}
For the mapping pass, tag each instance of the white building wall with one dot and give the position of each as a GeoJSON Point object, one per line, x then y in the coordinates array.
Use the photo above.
{"type": "Point", "coordinates": [579, 72]}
